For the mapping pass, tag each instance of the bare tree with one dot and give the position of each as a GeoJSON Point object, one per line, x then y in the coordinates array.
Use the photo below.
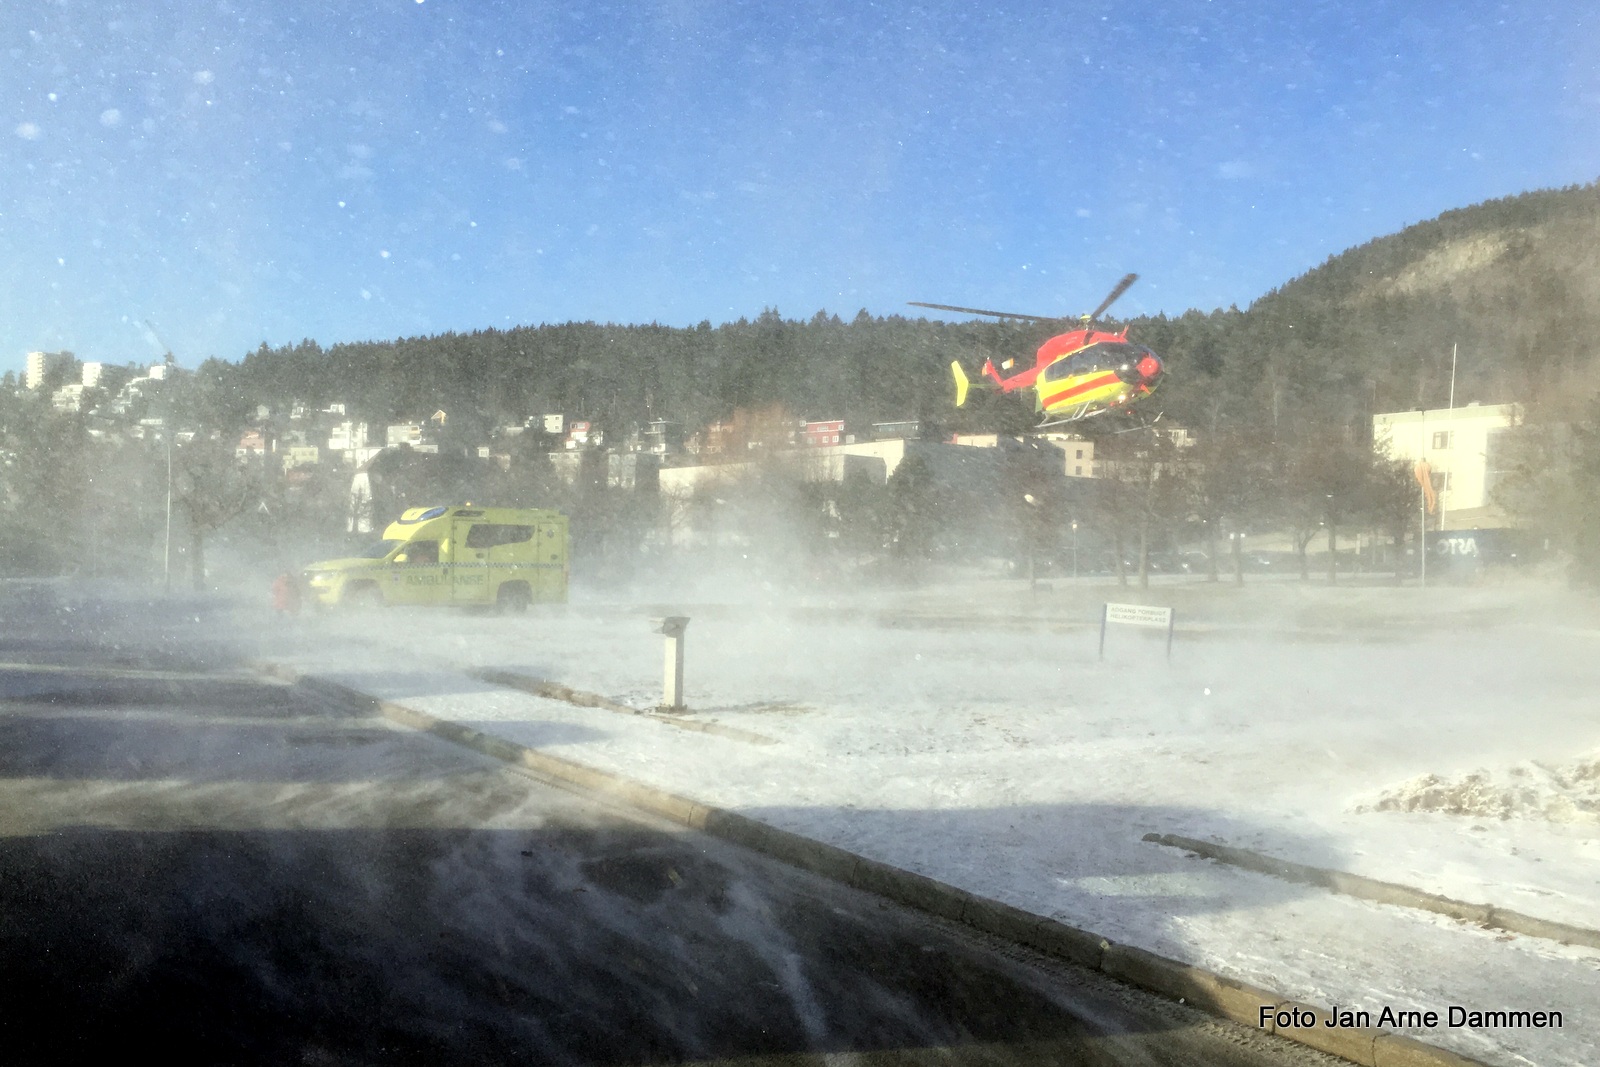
{"type": "Point", "coordinates": [1551, 482]}
{"type": "Point", "coordinates": [1391, 501]}
{"type": "Point", "coordinates": [1322, 478]}
{"type": "Point", "coordinates": [210, 486]}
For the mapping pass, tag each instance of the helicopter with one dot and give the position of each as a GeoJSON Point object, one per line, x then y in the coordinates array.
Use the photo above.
{"type": "Point", "coordinates": [1076, 375]}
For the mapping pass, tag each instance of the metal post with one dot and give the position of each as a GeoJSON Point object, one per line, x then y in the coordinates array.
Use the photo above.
{"type": "Point", "coordinates": [1422, 536]}
{"type": "Point", "coordinates": [1172, 617]}
{"type": "Point", "coordinates": [1105, 611]}
{"type": "Point", "coordinates": [1444, 491]}
{"type": "Point", "coordinates": [1452, 377]}
{"type": "Point", "coordinates": [1422, 502]}
{"type": "Point", "coordinates": [166, 566]}
{"type": "Point", "coordinates": [672, 678]}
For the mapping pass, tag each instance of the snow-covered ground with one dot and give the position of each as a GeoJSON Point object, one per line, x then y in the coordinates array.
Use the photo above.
{"type": "Point", "coordinates": [967, 731]}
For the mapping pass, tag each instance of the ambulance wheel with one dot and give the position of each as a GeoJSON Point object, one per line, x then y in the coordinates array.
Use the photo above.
{"type": "Point", "coordinates": [513, 598]}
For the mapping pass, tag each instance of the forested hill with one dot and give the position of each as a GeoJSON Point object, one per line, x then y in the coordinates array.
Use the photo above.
{"type": "Point", "coordinates": [1472, 253]}
{"type": "Point", "coordinates": [1515, 283]}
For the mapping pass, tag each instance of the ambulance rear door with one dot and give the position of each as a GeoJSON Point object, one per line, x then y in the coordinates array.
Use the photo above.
{"type": "Point", "coordinates": [550, 585]}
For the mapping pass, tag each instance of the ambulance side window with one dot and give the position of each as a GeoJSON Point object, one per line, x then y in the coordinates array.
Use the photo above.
{"type": "Point", "coordinates": [486, 536]}
{"type": "Point", "coordinates": [422, 552]}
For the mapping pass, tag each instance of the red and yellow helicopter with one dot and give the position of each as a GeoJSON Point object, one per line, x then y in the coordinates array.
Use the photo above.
{"type": "Point", "coordinates": [1076, 375]}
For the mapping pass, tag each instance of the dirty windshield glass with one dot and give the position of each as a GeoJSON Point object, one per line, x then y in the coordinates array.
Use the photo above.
{"type": "Point", "coordinates": [1018, 532]}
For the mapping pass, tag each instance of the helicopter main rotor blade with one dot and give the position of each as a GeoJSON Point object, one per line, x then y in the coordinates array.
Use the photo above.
{"type": "Point", "coordinates": [980, 311]}
{"type": "Point", "coordinates": [1113, 296]}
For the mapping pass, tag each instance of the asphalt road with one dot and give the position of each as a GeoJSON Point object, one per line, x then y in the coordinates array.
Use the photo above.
{"type": "Point", "coordinates": [203, 865]}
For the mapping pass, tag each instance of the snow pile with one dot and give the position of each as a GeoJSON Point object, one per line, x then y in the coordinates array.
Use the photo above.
{"type": "Point", "coordinates": [1567, 793]}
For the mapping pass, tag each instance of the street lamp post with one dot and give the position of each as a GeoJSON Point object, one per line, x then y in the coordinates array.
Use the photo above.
{"type": "Point", "coordinates": [1333, 543]}
{"type": "Point", "coordinates": [1074, 550]}
{"type": "Point", "coordinates": [166, 566]}
{"type": "Point", "coordinates": [1422, 500]}
{"type": "Point", "coordinates": [166, 431]}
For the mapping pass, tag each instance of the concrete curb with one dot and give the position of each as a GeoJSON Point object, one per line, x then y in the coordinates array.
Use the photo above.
{"type": "Point", "coordinates": [1202, 989]}
{"type": "Point", "coordinates": [1356, 885]}
{"type": "Point", "coordinates": [555, 691]}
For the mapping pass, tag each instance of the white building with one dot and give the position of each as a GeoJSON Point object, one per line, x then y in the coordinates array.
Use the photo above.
{"type": "Point", "coordinates": [41, 364]}
{"type": "Point", "coordinates": [347, 435]}
{"type": "Point", "coordinates": [296, 456]}
{"type": "Point", "coordinates": [882, 459]}
{"type": "Point", "coordinates": [874, 460]}
{"type": "Point", "coordinates": [1077, 453]}
{"type": "Point", "coordinates": [1461, 446]}
{"type": "Point", "coordinates": [404, 433]}
{"type": "Point", "coordinates": [69, 398]}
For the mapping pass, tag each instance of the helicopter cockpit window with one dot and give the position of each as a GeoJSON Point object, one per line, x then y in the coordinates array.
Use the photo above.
{"type": "Point", "coordinates": [1061, 368]}
{"type": "Point", "coordinates": [1124, 360]}
{"type": "Point", "coordinates": [1117, 355]}
{"type": "Point", "coordinates": [1073, 364]}
{"type": "Point", "coordinates": [1099, 357]}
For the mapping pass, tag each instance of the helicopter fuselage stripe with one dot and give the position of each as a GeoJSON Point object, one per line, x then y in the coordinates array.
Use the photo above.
{"type": "Point", "coordinates": [1083, 387]}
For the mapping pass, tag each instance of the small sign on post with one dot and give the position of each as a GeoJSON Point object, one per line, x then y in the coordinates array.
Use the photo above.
{"type": "Point", "coordinates": [1136, 615]}
{"type": "Point", "coordinates": [673, 627]}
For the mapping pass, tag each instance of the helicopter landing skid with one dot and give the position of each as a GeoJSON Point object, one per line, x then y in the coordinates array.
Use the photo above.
{"type": "Point", "coordinates": [1078, 415]}
{"type": "Point", "coordinates": [1144, 424]}
{"type": "Point", "coordinates": [1082, 415]}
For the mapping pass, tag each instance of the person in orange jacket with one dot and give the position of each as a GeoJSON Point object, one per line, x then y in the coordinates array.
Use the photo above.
{"type": "Point", "coordinates": [286, 594]}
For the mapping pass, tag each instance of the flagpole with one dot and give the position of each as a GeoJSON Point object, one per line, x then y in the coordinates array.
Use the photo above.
{"type": "Point", "coordinates": [1452, 376]}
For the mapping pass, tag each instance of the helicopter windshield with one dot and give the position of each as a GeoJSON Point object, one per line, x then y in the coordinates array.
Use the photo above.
{"type": "Point", "coordinates": [1100, 357]}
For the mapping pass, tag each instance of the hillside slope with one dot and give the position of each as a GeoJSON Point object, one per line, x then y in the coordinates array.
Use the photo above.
{"type": "Point", "coordinates": [1513, 284]}
{"type": "Point", "coordinates": [1473, 251]}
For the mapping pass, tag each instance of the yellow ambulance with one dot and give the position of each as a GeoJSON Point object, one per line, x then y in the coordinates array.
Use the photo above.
{"type": "Point", "coordinates": [506, 558]}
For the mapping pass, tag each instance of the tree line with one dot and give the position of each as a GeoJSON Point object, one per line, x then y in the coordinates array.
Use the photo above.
{"type": "Point", "coordinates": [1279, 397]}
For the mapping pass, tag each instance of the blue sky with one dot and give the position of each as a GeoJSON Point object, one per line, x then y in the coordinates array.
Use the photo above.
{"type": "Point", "coordinates": [257, 171]}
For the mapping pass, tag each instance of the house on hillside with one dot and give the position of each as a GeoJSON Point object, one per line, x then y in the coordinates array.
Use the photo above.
{"type": "Point", "coordinates": [907, 428]}
{"type": "Point", "coordinates": [69, 398]}
{"type": "Point", "coordinates": [822, 432]}
{"type": "Point", "coordinates": [662, 437]}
